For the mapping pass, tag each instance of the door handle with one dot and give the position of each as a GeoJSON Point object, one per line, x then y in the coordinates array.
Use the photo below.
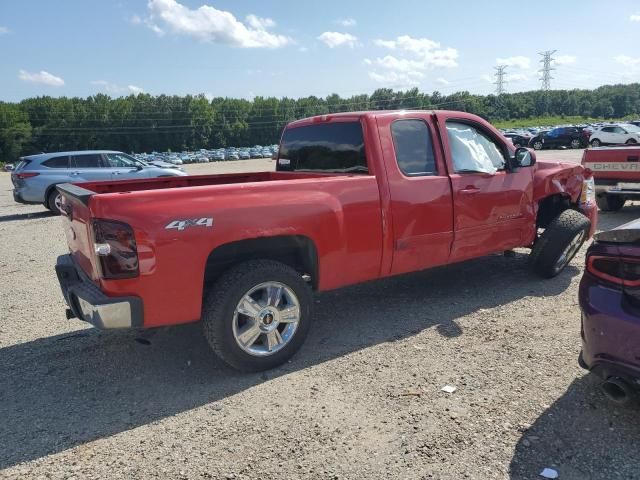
{"type": "Point", "coordinates": [75, 174]}
{"type": "Point", "coordinates": [117, 173]}
{"type": "Point", "coordinates": [470, 190]}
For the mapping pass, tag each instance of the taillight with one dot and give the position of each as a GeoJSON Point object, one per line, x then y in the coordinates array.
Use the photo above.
{"type": "Point", "coordinates": [618, 270]}
{"type": "Point", "coordinates": [22, 176]}
{"type": "Point", "coordinates": [115, 248]}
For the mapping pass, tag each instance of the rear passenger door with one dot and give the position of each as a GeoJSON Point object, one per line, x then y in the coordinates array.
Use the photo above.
{"type": "Point", "coordinates": [421, 204]}
{"type": "Point", "coordinates": [87, 167]}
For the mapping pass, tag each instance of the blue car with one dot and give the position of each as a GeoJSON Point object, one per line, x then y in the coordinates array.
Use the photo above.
{"type": "Point", "coordinates": [35, 177]}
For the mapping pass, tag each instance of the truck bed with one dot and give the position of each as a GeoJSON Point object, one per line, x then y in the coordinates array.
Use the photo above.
{"type": "Point", "coordinates": [194, 181]}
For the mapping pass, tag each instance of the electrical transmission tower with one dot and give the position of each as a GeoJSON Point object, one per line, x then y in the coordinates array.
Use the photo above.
{"type": "Point", "coordinates": [547, 68]}
{"type": "Point", "coordinates": [500, 79]}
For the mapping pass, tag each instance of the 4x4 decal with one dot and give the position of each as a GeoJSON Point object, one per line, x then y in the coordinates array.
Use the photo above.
{"type": "Point", "coordinates": [182, 225]}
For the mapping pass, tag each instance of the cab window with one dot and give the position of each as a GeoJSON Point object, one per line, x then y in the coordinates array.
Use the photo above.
{"type": "Point", "coordinates": [120, 160]}
{"type": "Point", "coordinates": [414, 149]}
{"type": "Point", "coordinates": [57, 162]}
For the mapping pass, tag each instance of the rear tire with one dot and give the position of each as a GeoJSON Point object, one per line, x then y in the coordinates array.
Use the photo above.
{"type": "Point", "coordinates": [610, 203]}
{"type": "Point", "coordinates": [53, 201]}
{"type": "Point", "coordinates": [575, 144]}
{"type": "Point", "coordinates": [631, 141]}
{"type": "Point", "coordinates": [559, 243]}
{"type": "Point", "coordinates": [596, 143]}
{"type": "Point", "coordinates": [222, 314]}
{"type": "Point", "coordinates": [537, 145]}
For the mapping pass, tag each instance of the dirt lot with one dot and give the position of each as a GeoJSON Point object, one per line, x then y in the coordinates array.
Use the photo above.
{"type": "Point", "coordinates": [362, 399]}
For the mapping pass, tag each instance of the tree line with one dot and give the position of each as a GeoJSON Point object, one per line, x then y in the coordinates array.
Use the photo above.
{"type": "Point", "coordinates": [145, 123]}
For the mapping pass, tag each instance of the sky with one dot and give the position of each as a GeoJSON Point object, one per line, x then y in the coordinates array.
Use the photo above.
{"type": "Point", "coordinates": [296, 48]}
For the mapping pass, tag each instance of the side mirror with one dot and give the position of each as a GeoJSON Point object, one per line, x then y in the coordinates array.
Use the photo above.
{"type": "Point", "coordinates": [524, 157]}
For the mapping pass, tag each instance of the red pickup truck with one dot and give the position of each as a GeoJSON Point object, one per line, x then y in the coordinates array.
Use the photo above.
{"type": "Point", "coordinates": [355, 197]}
{"type": "Point", "coordinates": [616, 172]}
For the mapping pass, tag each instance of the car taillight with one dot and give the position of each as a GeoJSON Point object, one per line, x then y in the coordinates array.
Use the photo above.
{"type": "Point", "coordinates": [22, 176]}
{"type": "Point", "coordinates": [115, 248]}
{"type": "Point", "coordinates": [618, 270]}
{"type": "Point", "coordinates": [588, 194]}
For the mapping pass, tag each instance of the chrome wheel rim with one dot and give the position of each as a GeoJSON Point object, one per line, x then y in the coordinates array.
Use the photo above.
{"type": "Point", "coordinates": [266, 319]}
{"type": "Point", "coordinates": [575, 143]}
{"type": "Point", "coordinates": [537, 145]}
{"type": "Point", "coordinates": [570, 251]}
{"type": "Point", "coordinates": [58, 202]}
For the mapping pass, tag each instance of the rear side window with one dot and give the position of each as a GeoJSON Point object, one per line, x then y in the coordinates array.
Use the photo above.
{"type": "Point", "coordinates": [57, 162]}
{"type": "Point", "coordinates": [329, 147]}
{"type": "Point", "coordinates": [90, 160]}
{"type": "Point", "coordinates": [414, 149]}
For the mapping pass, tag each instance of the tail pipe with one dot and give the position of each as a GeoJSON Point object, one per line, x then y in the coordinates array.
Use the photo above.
{"type": "Point", "coordinates": [618, 390]}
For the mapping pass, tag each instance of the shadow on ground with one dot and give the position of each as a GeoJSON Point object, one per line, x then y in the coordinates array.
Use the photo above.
{"type": "Point", "coordinates": [563, 437]}
{"type": "Point", "coordinates": [63, 391]}
{"type": "Point", "coordinates": [25, 216]}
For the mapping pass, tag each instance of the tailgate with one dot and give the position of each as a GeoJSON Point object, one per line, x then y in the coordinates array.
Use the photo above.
{"type": "Point", "coordinates": [617, 163]}
{"type": "Point", "coordinates": [76, 220]}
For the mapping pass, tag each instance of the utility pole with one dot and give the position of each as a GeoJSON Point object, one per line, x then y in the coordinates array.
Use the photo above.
{"type": "Point", "coordinates": [547, 68]}
{"type": "Point", "coordinates": [500, 80]}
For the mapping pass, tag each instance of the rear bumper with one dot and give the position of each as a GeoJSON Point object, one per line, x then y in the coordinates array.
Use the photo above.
{"type": "Point", "coordinates": [610, 331]}
{"type": "Point", "coordinates": [626, 188]}
{"type": "Point", "coordinates": [88, 303]}
{"type": "Point", "coordinates": [17, 197]}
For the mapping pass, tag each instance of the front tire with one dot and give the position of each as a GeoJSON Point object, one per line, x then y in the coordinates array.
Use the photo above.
{"type": "Point", "coordinates": [596, 143]}
{"type": "Point", "coordinates": [610, 203]}
{"type": "Point", "coordinates": [559, 243]}
{"type": "Point", "coordinates": [631, 141]}
{"type": "Point", "coordinates": [537, 145]}
{"type": "Point", "coordinates": [576, 143]}
{"type": "Point", "coordinates": [257, 315]}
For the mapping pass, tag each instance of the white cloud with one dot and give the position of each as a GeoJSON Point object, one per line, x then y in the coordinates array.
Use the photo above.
{"type": "Point", "coordinates": [210, 24]}
{"type": "Point", "coordinates": [427, 52]}
{"type": "Point", "coordinates": [259, 23]}
{"type": "Point", "coordinates": [487, 78]}
{"type": "Point", "coordinates": [442, 81]}
{"type": "Point", "coordinates": [135, 90]}
{"type": "Point", "coordinates": [411, 59]}
{"type": "Point", "coordinates": [367, 61]}
{"type": "Point", "coordinates": [347, 22]}
{"type": "Point", "coordinates": [565, 60]}
{"type": "Point", "coordinates": [397, 79]}
{"type": "Point", "coordinates": [3, 30]}
{"type": "Point", "coordinates": [635, 17]}
{"type": "Point", "coordinates": [303, 49]}
{"type": "Point", "coordinates": [627, 61]}
{"type": "Point", "coordinates": [337, 39]}
{"type": "Point", "coordinates": [41, 78]}
{"type": "Point", "coordinates": [517, 61]}
{"type": "Point", "coordinates": [516, 77]}
{"type": "Point", "coordinates": [135, 19]}
{"type": "Point", "coordinates": [116, 89]}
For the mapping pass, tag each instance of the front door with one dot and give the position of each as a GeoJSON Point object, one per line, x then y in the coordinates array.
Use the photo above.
{"type": "Point", "coordinates": [493, 207]}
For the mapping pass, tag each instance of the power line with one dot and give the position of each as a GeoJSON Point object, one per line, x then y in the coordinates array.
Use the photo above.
{"type": "Point", "coordinates": [547, 68]}
{"type": "Point", "coordinates": [500, 79]}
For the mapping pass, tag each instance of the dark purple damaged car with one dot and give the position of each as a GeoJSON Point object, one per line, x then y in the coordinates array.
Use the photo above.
{"type": "Point", "coordinates": [610, 303]}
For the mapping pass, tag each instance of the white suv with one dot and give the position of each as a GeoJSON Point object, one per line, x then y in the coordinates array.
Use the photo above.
{"type": "Point", "coordinates": [625, 133]}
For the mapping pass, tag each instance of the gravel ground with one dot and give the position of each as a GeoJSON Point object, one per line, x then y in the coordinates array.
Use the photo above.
{"type": "Point", "coordinates": [362, 399]}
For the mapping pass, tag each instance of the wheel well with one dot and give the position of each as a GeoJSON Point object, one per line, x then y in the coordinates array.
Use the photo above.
{"type": "Point", "coordinates": [296, 251]}
{"type": "Point", "coordinates": [550, 208]}
{"type": "Point", "coordinates": [50, 189]}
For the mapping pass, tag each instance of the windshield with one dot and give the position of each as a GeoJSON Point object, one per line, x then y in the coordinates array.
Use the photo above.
{"type": "Point", "coordinates": [631, 128]}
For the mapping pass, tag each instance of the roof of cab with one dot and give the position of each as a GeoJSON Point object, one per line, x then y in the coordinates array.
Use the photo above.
{"type": "Point", "coordinates": [353, 116]}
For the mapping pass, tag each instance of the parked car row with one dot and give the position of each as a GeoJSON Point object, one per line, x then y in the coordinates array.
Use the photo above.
{"type": "Point", "coordinates": [203, 155]}
{"type": "Point", "coordinates": [576, 136]}
{"type": "Point", "coordinates": [36, 176]}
